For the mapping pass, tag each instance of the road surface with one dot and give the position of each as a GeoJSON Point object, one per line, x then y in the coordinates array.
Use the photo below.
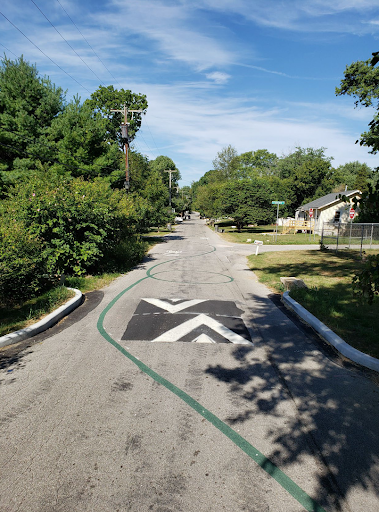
{"type": "Point", "coordinates": [183, 387]}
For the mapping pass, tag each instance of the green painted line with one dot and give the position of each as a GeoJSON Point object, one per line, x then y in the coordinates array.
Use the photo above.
{"type": "Point", "coordinates": [269, 467]}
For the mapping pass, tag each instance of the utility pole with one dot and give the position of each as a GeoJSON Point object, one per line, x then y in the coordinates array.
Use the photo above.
{"type": "Point", "coordinates": [170, 171]}
{"type": "Point", "coordinates": [125, 135]}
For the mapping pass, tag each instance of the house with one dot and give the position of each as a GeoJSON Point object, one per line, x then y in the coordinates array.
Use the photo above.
{"type": "Point", "coordinates": [329, 208]}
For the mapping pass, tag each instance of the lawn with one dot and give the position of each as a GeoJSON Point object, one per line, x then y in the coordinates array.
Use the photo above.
{"type": "Point", "coordinates": [266, 234]}
{"type": "Point", "coordinates": [329, 296]}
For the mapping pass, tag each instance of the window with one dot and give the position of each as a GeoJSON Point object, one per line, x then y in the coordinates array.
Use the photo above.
{"type": "Point", "coordinates": [337, 216]}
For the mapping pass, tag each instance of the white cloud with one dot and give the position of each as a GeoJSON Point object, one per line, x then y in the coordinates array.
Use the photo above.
{"type": "Point", "coordinates": [198, 128]}
{"type": "Point", "coordinates": [218, 77]}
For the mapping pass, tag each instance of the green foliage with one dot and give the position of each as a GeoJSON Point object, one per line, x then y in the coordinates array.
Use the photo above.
{"type": "Point", "coordinates": [247, 202]}
{"type": "Point", "coordinates": [361, 80]}
{"type": "Point", "coordinates": [354, 175]}
{"type": "Point", "coordinates": [163, 163]}
{"type": "Point", "coordinates": [207, 200]}
{"type": "Point", "coordinates": [368, 205]}
{"type": "Point", "coordinates": [77, 221]}
{"type": "Point", "coordinates": [76, 142]}
{"type": "Point", "coordinates": [225, 163]}
{"type": "Point", "coordinates": [366, 281]}
{"type": "Point", "coordinates": [23, 268]}
{"type": "Point", "coordinates": [28, 104]}
{"type": "Point", "coordinates": [257, 164]}
{"type": "Point", "coordinates": [104, 99]}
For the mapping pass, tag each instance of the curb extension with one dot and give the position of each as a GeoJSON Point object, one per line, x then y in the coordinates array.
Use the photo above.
{"type": "Point", "coordinates": [45, 323]}
{"type": "Point", "coordinates": [338, 343]}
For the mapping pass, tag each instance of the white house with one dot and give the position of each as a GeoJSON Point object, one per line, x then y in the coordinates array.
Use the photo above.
{"type": "Point", "coordinates": [329, 208]}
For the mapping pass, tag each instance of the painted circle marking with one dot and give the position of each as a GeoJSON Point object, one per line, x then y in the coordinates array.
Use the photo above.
{"type": "Point", "coordinates": [222, 278]}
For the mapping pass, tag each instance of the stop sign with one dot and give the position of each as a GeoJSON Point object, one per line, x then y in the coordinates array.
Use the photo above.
{"type": "Point", "coordinates": [351, 213]}
{"type": "Point", "coordinates": [311, 212]}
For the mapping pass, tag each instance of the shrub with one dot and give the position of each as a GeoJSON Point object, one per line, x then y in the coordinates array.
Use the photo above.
{"type": "Point", "coordinates": [366, 282]}
{"type": "Point", "coordinates": [78, 222]}
{"type": "Point", "coordinates": [23, 270]}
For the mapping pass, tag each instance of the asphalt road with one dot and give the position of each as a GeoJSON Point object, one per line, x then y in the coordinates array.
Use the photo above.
{"type": "Point", "coordinates": [185, 388]}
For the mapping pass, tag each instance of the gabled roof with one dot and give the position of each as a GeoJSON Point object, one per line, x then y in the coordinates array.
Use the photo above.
{"type": "Point", "coordinates": [327, 200]}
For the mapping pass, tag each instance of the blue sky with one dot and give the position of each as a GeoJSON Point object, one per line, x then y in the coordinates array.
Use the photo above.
{"type": "Point", "coordinates": [257, 74]}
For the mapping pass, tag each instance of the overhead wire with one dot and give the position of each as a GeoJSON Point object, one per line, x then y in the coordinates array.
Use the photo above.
{"type": "Point", "coordinates": [43, 53]}
{"type": "Point", "coordinates": [8, 50]}
{"type": "Point", "coordinates": [64, 39]}
{"type": "Point", "coordinates": [70, 76]}
{"type": "Point", "coordinates": [77, 28]}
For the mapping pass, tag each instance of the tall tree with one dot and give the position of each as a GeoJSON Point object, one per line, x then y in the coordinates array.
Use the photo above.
{"type": "Point", "coordinates": [28, 104]}
{"type": "Point", "coordinates": [362, 82]}
{"type": "Point", "coordinates": [309, 172]}
{"type": "Point", "coordinates": [247, 201]}
{"type": "Point", "coordinates": [77, 143]}
{"type": "Point", "coordinates": [105, 99]}
{"type": "Point", "coordinates": [257, 163]}
{"type": "Point", "coordinates": [225, 162]}
{"type": "Point", "coordinates": [163, 163]}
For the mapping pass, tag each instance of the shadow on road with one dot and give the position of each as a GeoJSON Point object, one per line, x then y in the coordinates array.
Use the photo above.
{"type": "Point", "coordinates": [337, 408]}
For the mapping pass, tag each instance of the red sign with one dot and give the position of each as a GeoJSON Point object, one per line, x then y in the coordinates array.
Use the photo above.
{"type": "Point", "coordinates": [311, 212]}
{"type": "Point", "coordinates": [351, 213]}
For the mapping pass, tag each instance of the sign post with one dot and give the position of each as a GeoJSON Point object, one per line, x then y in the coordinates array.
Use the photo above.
{"type": "Point", "coordinates": [351, 215]}
{"type": "Point", "coordinates": [277, 216]}
{"type": "Point", "coordinates": [310, 223]}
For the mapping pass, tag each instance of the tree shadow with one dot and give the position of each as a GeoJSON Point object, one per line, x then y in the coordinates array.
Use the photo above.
{"type": "Point", "coordinates": [337, 409]}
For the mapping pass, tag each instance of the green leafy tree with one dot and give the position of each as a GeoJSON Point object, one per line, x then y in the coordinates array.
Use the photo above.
{"type": "Point", "coordinates": [309, 172]}
{"type": "Point", "coordinates": [354, 175]}
{"type": "Point", "coordinates": [207, 200]}
{"type": "Point", "coordinates": [105, 99]}
{"type": "Point", "coordinates": [226, 163]}
{"type": "Point", "coordinates": [247, 201]}
{"type": "Point", "coordinates": [257, 163]}
{"type": "Point", "coordinates": [361, 80]}
{"type": "Point", "coordinates": [76, 142]}
{"type": "Point", "coordinates": [156, 193]}
{"type": "Point", "coordinates": [28, 104]}
{"type": "Point", "coordinates": [368, 205]}
{"type": "Point", "coordinates": [163, 163]}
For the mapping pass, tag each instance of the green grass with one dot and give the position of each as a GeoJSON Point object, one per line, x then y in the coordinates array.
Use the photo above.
{"type": "Point", "coordinates": [19, 317]}
{"type": "Point", "coordinates": [266, 234]}
{"type": "Point", "coordinates": [329, 295]}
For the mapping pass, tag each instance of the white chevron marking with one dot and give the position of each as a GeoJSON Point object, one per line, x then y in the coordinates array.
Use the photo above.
{"type": "Point", "coordinates": [203, 338]}
{"type": "Point", "coordinates": [181, 330]}
{"type": "Point", "coordinates": [173, 308]}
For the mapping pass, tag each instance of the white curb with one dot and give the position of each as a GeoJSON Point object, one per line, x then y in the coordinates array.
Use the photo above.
{"type": "Point", "coordinates": [45, 323]}
{"type": "Point", "coordinates": [331, 337]}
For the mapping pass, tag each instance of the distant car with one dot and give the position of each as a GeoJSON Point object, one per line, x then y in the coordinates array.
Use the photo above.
{"type": "Point", "coordinates": [178, 219]}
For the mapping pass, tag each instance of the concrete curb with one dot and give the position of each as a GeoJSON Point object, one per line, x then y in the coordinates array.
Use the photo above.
{"type": "Point", "coordinates": [45, 323]}
{"type": "Point", "coordinates": [332, 338]}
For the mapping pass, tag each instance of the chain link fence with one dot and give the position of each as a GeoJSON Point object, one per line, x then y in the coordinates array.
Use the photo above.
{"type": "Point", "coordinates": [349, 235]}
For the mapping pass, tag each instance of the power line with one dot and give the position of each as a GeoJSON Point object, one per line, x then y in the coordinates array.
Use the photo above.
{"type": "Point", "coordinates": [73, 49]}
{"type": "Point", "coordinates": [43, 53]}
{"type": "Point", "coordinates": [77, 28]}
{"type": "Point", "coordinates": [8, 50]}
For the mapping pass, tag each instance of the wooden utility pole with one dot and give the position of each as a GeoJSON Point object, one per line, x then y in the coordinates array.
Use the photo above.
{"type": "Point", "coordinates": [169, 187]}
{"type": "Point", "coordinates": [125, 135]}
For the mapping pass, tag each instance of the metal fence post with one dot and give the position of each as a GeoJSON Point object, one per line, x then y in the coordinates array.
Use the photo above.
{"type": "Point", "coordinates": [372, 232]}
{"type": "Point", "coordinates": [363, 228]}
{"type": "Point", "coordinates": [322, 235]}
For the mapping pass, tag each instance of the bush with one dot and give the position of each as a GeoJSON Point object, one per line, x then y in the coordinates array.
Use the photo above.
{"type": "Point", "coordinates": [78, 222]}
{"type": "Point", "coordinates": [366, 282]}
{"type": "Point", "coordinates": [23, 269]}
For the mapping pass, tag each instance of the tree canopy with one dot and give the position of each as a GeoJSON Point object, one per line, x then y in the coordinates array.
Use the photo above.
{"type": "Point", "coordinates": [361, 80]}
